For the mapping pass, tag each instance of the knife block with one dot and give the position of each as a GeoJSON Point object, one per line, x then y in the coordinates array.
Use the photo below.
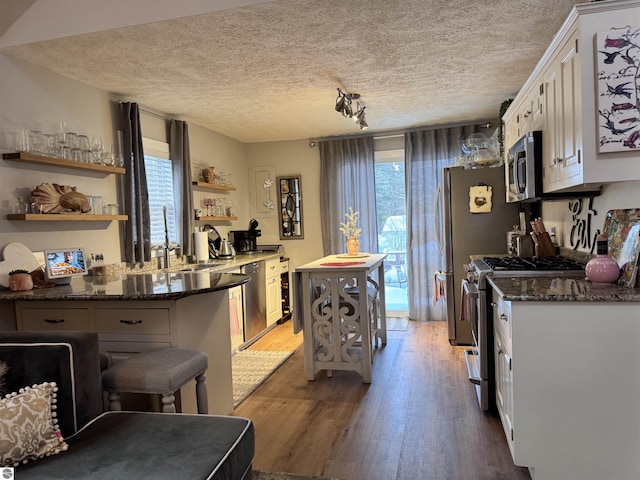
{"type": "Point", "coordinates": [545, 247]}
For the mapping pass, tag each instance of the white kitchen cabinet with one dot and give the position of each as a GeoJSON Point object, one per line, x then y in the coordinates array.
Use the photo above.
{"type": "Point", "coordinates": [33, 319]}
{"type": "Point", "coordinates": [562, 139]}
{"type": "Point", "coordinates": [567, 387]}
{"type": "Point", "coordinates": [503, 371]}
{"type": "Point", "coordinates": [570, 120]}
{"type": "Point", "coordinates": [273, 291]}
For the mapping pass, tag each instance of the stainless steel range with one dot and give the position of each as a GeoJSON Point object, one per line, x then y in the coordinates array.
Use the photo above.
{"type": "Point", "coordinates": [477, 309]}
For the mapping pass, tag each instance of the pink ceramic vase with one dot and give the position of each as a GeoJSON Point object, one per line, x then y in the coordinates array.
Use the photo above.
{"type": "Point", "coordinates": [602, 268]}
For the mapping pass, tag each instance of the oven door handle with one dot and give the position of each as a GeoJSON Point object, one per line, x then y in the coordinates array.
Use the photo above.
{"type": "Point", "coordinates": [473, 376]}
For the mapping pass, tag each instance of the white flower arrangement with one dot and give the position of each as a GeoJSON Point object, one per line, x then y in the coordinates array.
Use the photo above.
{"type": "Point", "coordinates": [350, 227]}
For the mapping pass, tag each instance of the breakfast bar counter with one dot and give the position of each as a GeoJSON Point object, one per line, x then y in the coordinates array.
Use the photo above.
{"type": "Point", "coordinates": [142, 312]}
{"type": "Point", "coordinates": [139, 286]}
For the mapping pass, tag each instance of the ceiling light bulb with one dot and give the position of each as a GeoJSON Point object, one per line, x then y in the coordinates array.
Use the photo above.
{"type": "Point", "coordinates": [363, 123]}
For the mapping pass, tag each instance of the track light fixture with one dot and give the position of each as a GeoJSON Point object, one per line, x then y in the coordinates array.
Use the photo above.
{"type": "Point", "coordinates": [344, 103]}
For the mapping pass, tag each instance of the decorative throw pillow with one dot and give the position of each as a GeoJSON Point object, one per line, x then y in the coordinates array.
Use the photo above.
{"type": "Point", "coordinates": [28, 427]}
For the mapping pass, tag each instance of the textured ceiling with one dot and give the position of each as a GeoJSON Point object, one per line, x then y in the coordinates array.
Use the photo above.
{"type": "Point", "coordinates": [269, 72]}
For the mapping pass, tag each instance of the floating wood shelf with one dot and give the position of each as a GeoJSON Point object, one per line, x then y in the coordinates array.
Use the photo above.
{"type": "Point", "coordinates": [57, 217]}
{"type": "Point", "coordinates": [213, 186]}
{"type": "Point", "coordinates": [61, 162]}
{"type": "Point", "coordinates": [217, 219]}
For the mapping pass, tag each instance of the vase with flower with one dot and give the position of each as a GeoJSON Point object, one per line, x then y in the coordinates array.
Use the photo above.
{"type": "Point", "coordinates": [351, 231]}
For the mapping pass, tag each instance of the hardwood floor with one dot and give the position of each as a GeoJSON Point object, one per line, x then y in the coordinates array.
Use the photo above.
{"type": "Point", "coordinates": [417, 420]}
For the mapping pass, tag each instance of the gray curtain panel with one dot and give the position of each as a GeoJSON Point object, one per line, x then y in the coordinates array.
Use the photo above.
{"type": "Point", "coordinates": [426, 153]}
{"type": "Point", "coordinates": [179, 152]}
{"type": "Point", "coordinates": [137, 246]}
{"type": "Point", "coordinates": [347, 179]}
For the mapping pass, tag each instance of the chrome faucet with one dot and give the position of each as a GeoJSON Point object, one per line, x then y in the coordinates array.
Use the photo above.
{"type": "Point", "coordinates": [167, 246]}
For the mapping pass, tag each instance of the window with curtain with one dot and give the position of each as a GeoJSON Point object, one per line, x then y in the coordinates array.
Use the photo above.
{"type": "Point", "coordinates": [169, 184]}
{"type": "Point", "coordinates": [160, 185]}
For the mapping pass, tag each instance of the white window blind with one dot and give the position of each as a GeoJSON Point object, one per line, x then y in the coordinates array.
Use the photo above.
{"type": "Point", "coordinates": [160, 185]}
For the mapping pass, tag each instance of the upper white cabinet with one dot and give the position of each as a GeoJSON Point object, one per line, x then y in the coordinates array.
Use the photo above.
{"type": "Point", "coordinates": [562, 138]}
{"type": "Point", "coordinates": [564, 85]}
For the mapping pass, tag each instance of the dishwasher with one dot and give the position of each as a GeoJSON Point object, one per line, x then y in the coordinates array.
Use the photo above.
{"type": "Point", "coordinates": [255, 304]}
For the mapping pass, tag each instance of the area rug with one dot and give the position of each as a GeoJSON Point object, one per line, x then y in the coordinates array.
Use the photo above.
{"type": "Point", "coordinates": [258, 475]}
{"type": "Point", "coordinates": [250, 368]}
{"type": "Point", "coordinates": [397, 324]}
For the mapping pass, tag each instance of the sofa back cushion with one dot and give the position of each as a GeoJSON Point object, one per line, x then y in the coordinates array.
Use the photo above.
{"type": "Point", "coordinates": [69, 359]}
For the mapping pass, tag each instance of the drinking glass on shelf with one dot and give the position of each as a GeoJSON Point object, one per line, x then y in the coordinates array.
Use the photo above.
{"type": "Point", "coordinates": [219, 207]}
{"type": "Point", "coordinates": [71, 147]}
{"type": "Point", "coordinates": [207, 203]}
{"type": "Point", "coordinates": [22, 140]}
{"type": "Point", "coordinates": [227, 207]}
{"type": "Point", "coordinates": [108, 158]}
{"type": "Point", "coordinates": [50, 145]}
{"type": "Point", "coordinates": [96, 148]}
{"type": "Point", "coordinates": [85, 148]}
{"type": "Point", "coordinates": [35, 207]}
{"type": "Point", "coordinates": [95, 202]}
{"type": "Point", "coordinates": [36, 142]}
{"type": "Point", "coordinates": [21, 206]}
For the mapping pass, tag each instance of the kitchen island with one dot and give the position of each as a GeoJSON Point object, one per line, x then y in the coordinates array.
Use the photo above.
{"type": "Point", "coordinates": [135, 313]}
{"type": "Point", "coordinates": [340, 325]}
{"type": "Point", "coordinates": [567, 368]}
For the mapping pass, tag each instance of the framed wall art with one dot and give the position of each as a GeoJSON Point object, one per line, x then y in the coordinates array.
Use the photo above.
{"type": "Point", "coordinates": [618, 71]}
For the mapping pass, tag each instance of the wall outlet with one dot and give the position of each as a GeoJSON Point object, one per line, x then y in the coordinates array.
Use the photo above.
{"type": "Point", "coordinates": [557, 227]}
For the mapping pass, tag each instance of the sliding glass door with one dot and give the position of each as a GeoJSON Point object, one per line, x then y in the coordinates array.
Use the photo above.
{"type": "Point", "coordinates": [392, 230]}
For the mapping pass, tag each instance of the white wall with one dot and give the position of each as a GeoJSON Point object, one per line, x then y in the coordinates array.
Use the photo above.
{"type": "Point", "coordinates": [226, 155]}
{"type": "Point", "coordinates": [621, 195]}
{"type": "Point", "coordinates": [292, 158]}
{"type": "Point", "coordinates": [33, 97]}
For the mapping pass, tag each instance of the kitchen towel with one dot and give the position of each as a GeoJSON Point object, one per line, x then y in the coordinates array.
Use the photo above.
{"type": "Point", "coordinates": [201, 241]}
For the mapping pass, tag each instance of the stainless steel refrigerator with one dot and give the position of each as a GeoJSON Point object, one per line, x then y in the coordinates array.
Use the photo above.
{"type": "Point", "coordinates": [465, 233]}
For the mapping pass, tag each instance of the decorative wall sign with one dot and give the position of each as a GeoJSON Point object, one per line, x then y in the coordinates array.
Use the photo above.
{"type": "Point", "coordinates": [582, 234]}
{"type": "Point", "coordinates": [480, 199]}
{"type": "Point", "coordinates": [618, 64]}
{"type": "Point", "coordinates": [264, 190]}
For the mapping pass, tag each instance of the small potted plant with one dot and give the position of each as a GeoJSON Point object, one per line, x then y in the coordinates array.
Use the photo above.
{"type": "Point", "coordinates": [351, 231]}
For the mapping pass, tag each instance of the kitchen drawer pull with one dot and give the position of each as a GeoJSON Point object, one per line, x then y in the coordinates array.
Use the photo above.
{"type": "Point", "coordinates": [131, 322]}
{"type": "Point", "coordinates": [54, 320]}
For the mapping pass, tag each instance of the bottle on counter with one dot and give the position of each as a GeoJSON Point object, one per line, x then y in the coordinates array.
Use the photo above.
{"type": "Point", "coordinates": [602, 268]}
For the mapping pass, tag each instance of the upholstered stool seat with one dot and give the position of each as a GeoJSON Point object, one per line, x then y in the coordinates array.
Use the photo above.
{"type": "Point", "coordinates": [160, 372]}
{"type": "Point", "coordinates": [373, 314]}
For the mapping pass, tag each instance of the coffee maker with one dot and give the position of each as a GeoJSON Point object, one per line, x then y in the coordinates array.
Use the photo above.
{"type": "Point", "coordinates": [245, 241]}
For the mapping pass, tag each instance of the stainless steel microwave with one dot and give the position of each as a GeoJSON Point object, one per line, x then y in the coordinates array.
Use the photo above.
{"type": "Point", "coordinates": [524, 168]}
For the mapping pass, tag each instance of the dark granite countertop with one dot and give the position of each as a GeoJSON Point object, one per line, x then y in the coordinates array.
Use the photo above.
{"type": "Point", "coordinates": [140, 286]}
{"type": "Point", "coordinates": [561, 289]}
